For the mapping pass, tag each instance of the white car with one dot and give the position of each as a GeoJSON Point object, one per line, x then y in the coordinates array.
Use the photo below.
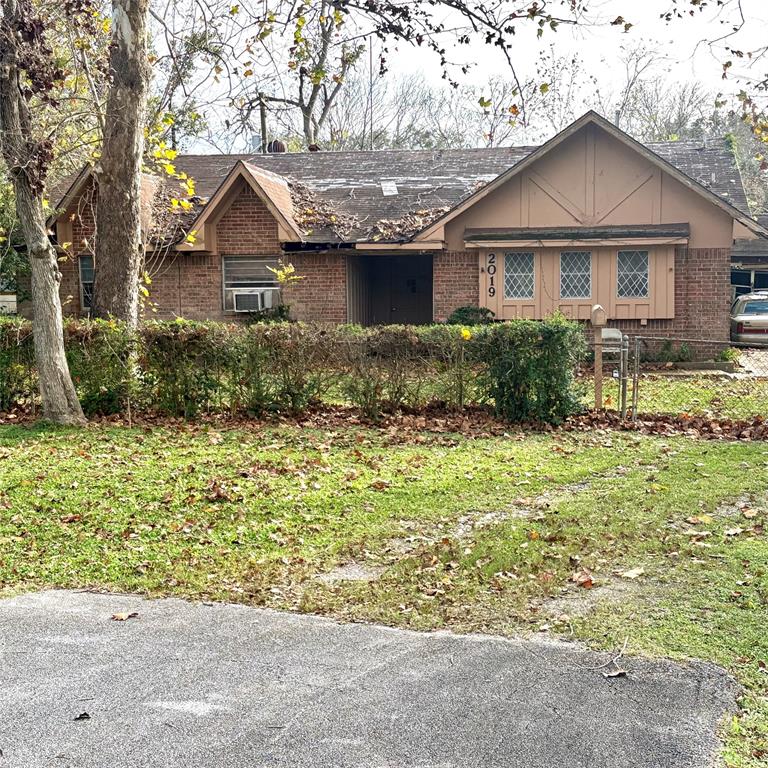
{"type": "Point", "coordinates": [749, 318]}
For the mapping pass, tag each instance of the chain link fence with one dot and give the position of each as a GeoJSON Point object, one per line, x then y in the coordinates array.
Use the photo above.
{"type": "Point", "coordinates": [652, 376]}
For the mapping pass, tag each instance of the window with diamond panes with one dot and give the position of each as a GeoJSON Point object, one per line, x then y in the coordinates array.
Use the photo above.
{"type": "Point", "coordinates": [575, 275]}
{"type": "Point", "coordinates": [632, 280]}
{"type": "Point", "coordinates": [518, 275]}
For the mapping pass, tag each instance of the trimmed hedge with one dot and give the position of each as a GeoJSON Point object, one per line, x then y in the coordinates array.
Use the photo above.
{"type": "Point", "coordinates": [184, 368]}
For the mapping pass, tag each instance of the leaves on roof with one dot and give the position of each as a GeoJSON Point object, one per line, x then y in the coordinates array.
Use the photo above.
{"type": "Point", "coordinates": [311, 212]}
{"type": "Point", "coordinates": [406, 225]}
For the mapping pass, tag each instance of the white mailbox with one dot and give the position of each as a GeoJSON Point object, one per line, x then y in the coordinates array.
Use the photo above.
{"type": "Point", "coordinates": [611, 338]}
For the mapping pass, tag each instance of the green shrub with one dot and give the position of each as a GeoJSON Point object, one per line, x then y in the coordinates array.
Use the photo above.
{"type": "Point", "coordinates": [530, 368]}
{"type": "Point", "coordinates": [471, 315]}
{"type": "Point", "coordinates": [185, 365]}
{"type": "Point", "coordinates": [184, 368]}
{"type": "Point", "coordinates": [667, 353]}
{"type": "Point", "coordinates": [100, 354]}
{"type": "Point", "coordinates": [729, 355]}
{"type": "Point", "coordinates": [298, 359]}
{"type": "Point", "coordinates": [17, 378]}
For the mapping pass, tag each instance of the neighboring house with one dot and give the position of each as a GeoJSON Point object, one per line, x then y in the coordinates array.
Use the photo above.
{"type": "Point", "coordinates": [749, 263]}
{"type": "Point", "coordinates": [592, 216]}
{"type": "Point", "coordinates": [7, 303]}
{"type": "Point", "coordinates": [7, 300]}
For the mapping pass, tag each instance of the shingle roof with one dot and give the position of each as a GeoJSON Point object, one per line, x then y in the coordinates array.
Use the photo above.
{"type": "Point", "coordinates": [753, 251]}
{"type": "Point", "coordinates": [430, 179]}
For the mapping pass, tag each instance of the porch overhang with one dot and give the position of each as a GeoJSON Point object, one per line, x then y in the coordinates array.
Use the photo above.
{"type": "Point", "coordinates": [423, 245]}
{"type": "Point", "coordinates": [527, 237]}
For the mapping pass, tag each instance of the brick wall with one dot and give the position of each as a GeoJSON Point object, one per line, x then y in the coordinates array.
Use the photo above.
{"type": "Point", "coordinates": [321, 294]}
{"type": "Point", "coordinates": [455, 282]}
{"type": "Point", "coordinates": [247, 228]}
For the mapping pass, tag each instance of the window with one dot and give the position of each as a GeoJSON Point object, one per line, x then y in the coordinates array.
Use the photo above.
{"type": "Point", "coordinates": [632, 278]}
{"type": "Point", "coordinates": [758, 307]}
{"type": "Point", "coordinates": [249, 285]}
{"type": "Point", "coordinates": [518, 275]}
{"type": "Point", "coordinates": [85, 266]}
{"type": "Point", "coordinates": [575, 275]}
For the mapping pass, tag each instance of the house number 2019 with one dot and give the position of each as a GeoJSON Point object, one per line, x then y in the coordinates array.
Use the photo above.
{"type": "Point", "coordinates": [491, 269]}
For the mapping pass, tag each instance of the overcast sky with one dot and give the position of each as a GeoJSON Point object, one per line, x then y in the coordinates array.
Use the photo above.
{"type": "Point", "coordinates": [600, 45]}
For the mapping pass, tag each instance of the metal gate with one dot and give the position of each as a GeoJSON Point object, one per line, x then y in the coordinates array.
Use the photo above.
{"type": "Point", "coordinates": [696, 377]}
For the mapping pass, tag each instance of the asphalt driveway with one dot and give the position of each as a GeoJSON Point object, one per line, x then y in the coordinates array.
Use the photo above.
{"type": "Point", "coordinates": [191, 685]}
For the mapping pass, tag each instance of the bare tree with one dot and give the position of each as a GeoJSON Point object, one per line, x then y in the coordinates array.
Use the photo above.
{"type": "Point", "coordinates": [27, 69]}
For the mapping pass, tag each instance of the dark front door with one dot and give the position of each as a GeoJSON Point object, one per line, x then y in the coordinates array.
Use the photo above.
{"type": "Point", "coordinates": [400, 289]}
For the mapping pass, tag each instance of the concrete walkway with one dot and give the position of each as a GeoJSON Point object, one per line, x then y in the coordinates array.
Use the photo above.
{"type": "Point", "coordinates": [200, 686]}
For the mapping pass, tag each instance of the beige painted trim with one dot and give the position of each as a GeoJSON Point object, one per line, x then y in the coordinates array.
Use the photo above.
{"type": "Point", "coordinates": [424, 245]}
{"type": "Point", "coordinates": [517, 244]}
{"type": "Point", "coordinates": [590, 118]}
{"type": "Point", "coordinates": [659, 304]}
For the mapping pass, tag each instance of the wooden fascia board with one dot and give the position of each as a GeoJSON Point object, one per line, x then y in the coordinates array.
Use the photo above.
{"type": "Point", "coordinates": [429, 245]}
{"type": "Point", "coordinates": [66, 201]}
{"type": "Point", "coordinates": [634, 241]}
{"type": "Point", "coordinates": [287, 232]}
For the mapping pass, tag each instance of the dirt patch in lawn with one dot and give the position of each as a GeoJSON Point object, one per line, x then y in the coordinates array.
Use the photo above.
{"type": "Point", "coordinates": [579, 602]}
{"type": "Point", "coordinates": [351, 571]}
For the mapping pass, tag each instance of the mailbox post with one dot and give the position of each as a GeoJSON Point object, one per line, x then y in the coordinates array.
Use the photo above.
{"type": "Point", "coordinates": [599, 318]}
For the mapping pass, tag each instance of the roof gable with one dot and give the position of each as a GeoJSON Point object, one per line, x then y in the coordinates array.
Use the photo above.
{"type": "Point", "coordinates": [434, 230]}
{"type": "Point", "coordinates": [272, 189]}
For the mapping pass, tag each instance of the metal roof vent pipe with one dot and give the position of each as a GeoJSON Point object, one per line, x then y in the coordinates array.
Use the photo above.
{"type": "Point", "coordinates": [314, 147]}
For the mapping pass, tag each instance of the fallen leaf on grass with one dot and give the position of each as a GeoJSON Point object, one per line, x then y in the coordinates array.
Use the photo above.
{"type": "Point", "coordinates": [749, 513]}
{"type": "Point", "coordinates": [699, 519]}
{"type": "Point", "coordinates": [124, 616]}
{"type": "Point", "coordinates": [733, 531]}
{"type": "Point", "coordinates": [583, 578]}
{"type": "Point", "coordinates": [380, 485]}
{"type": "Point", "coordinates": [71, 518]}
{"type": "Point", "coordinates": [632, 573]}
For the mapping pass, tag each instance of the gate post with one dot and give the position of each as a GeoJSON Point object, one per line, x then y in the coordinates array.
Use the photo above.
{"type": "Point", "coordinates": [624, 367]}
{"type": "Point", "coordinates": [598, 319]}
{"type": "Point", "coordinates": [636, 379]}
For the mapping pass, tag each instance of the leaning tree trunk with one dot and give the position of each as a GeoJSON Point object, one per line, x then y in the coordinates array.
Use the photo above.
{"type": "Point", "coordinates": [27, 162]}
{"type": "Point", "coordinates": [119, 242]}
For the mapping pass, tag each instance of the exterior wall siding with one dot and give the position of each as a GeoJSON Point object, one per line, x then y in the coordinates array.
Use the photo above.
{"type": "Point", "coordinates": [455, 282]}
{"type": "Point", "coordinates": [321, 293]}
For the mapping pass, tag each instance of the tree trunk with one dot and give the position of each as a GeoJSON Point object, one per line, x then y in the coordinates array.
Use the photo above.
{"type": "Point", "coordinates": [27, 163]}
{"type": "Point", "coordinates": [119, 243]}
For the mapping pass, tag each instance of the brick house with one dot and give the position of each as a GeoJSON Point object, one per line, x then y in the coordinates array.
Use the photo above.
{"type": "Point", "coordinates": [591, 216]}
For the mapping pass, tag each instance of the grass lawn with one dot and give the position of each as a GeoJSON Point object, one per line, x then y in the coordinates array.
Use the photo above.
{"type": "Point", "coordinates": [441, 530]}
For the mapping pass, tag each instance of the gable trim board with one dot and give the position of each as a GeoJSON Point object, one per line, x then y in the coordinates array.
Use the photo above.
{"type": "Point", "coordinates": [271, 188]}
{"type": "Point", "coordinates": [436, 229]}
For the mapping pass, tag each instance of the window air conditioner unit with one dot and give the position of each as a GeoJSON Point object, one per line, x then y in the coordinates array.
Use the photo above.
{"type": "Point", "coordinates": [253, 301]}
